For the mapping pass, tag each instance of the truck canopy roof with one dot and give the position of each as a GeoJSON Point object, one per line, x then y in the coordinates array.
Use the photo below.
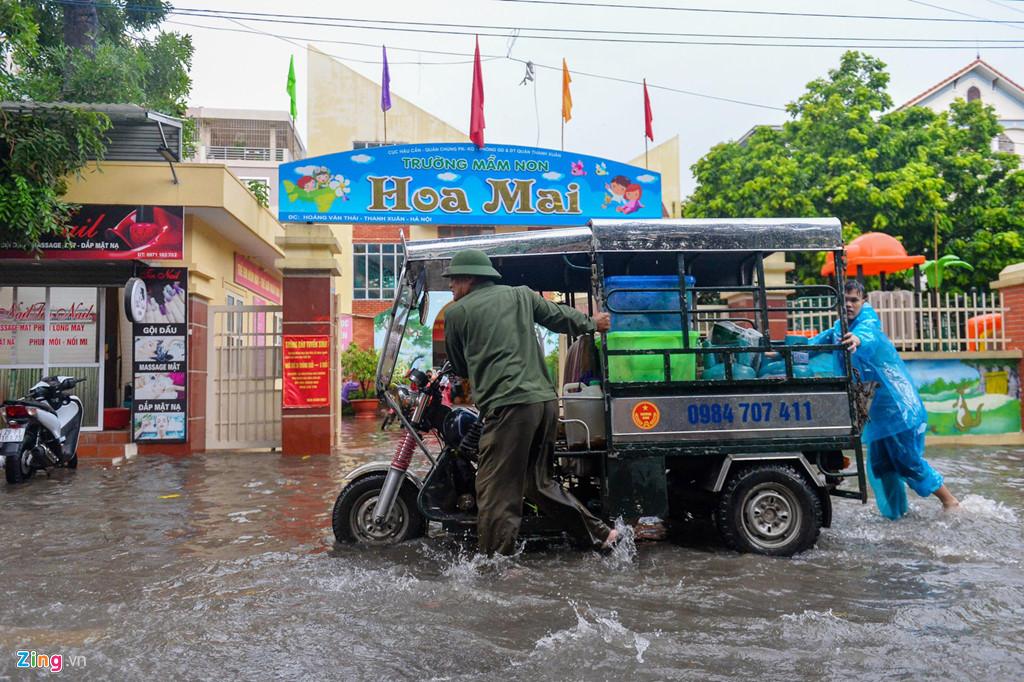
{"type": "Point", "coordinates": [715, 251]}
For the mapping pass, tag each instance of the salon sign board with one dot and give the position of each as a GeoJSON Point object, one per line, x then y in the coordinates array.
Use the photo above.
{"type": "Point", "coordinates": [458, 184]}
{"type": "Point", "coordinates": [111, 232]}
{"type": "Point", "coordinates": [156, 304]}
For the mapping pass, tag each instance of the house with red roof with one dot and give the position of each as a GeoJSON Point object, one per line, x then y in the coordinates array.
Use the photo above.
{"type": "Point", "coordinates": [979, 80]}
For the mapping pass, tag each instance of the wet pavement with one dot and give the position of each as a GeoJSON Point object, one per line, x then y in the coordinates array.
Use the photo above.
{"type": "Point", "coordinates": [224, 565]}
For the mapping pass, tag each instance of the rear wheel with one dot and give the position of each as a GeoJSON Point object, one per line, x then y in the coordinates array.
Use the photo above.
{"type": "Point", "coordinates": [769, 509]}
{"type": "Point", "coordinates": [352, 519]}
{"type": "Point", "coordinates": [17, 468]}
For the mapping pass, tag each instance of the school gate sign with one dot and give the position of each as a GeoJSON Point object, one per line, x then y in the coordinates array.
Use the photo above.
{"type": "Point", "coordinates": [458, 184]}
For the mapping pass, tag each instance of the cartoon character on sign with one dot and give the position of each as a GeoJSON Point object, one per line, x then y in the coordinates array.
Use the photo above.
{"type": "Point", "coordinates": [646, 415]}
{"type": "Point", "coordinates": [316, 185]}
{"type": "Point", "coordinates": [616, 191]}
{"type": "Point", "coordinates": [601, 169]}
{"type": "Point", "coordinates": [632, 196]}
{"type": "Point", "coordinates": [577, 168]}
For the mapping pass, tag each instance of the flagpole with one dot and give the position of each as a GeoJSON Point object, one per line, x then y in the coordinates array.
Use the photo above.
{"type": "Point", "coordinates": [563, 133]}
{"type": "Point", "coordinates": [385, 126]}
{"type": "Point", "coordinates": [645, 153]}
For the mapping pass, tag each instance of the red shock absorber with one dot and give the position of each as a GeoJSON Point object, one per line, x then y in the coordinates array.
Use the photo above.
{"type": "Point", "coordinates": [403, 453]}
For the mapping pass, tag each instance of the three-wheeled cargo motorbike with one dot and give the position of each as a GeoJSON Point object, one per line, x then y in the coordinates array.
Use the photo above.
{"type": "Point", "coordinates": [701, 401]}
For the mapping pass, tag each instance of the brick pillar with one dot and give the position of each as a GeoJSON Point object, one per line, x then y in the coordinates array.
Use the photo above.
{"type": "Point", "coordinates": [197, 356]}
{"type": "Point", "coordinates": [1011, 284]}
{"type": "Point", "coordinates": [309, 265]}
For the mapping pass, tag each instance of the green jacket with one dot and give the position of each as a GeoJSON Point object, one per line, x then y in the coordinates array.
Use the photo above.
{"type": "Point", "coordinates": [490, 340]}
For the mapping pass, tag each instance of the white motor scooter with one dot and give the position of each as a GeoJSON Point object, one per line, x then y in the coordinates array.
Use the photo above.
{"type": "Point", "coordinates": [43, 429]}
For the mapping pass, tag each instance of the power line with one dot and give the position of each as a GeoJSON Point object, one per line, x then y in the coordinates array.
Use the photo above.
{"type": "Point", "coordinates": [442, 28]}
{"type": "Point", "coordinates": [291, 39]}
{"type": "Point", "coordinates": [771, 13]}
{"type": "Point", "coordinates": [708, 35]}
{"type": "Point", "coordinates": [665, 88]}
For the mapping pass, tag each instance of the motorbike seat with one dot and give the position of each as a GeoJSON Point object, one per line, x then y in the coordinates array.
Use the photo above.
{"type": "Point", "coordinates": [33, 403]}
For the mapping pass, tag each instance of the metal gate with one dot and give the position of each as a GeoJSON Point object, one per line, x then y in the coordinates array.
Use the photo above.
{"type": "Point", "coordinates": [244, 380]}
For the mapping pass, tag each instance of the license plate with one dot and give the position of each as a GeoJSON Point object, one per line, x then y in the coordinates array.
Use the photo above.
{"type": "Point", "coordinates": [12, 435]}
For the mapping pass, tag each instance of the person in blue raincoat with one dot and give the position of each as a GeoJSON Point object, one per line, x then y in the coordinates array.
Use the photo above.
{"type": "Point", "coordinates": [897, 421]}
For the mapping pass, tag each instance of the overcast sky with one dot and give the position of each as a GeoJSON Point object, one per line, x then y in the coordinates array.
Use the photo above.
{"type": "Point", "coordinates": [248, 70]}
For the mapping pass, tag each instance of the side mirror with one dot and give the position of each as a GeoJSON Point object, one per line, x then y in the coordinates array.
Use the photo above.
{"type": "Point", "coordinates": [424, 308]}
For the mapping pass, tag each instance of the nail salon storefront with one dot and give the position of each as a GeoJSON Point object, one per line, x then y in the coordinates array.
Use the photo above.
{"type": "Point", "coordinates": [62, 308]}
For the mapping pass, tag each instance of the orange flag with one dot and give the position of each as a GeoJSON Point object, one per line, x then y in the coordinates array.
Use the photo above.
{"type": "Point", "coordinates": [566, 95]}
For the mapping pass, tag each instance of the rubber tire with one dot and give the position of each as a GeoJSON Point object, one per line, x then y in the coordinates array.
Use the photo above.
{"type": "Point", "coordinates": [357, 494]}
{"type": "Point", "coordinates": [786, 482]}
{"type": "Point", "coordinates": [14, 472]}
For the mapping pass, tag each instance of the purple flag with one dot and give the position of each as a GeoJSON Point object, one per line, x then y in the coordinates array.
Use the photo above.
{"type": "Point", "coordinates": [385, 83]}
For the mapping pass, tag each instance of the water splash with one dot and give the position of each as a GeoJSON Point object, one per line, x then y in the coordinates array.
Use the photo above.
{"type": "Point", "coordinates": [624, 552]}
{"type": "Point", "coordinates": [605, 625]}
{"type": "Point", "coordinates": [979, 506]}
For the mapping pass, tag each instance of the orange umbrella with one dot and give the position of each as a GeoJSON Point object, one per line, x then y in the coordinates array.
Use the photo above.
{"type": "Point", "coordinates": [877, 253]}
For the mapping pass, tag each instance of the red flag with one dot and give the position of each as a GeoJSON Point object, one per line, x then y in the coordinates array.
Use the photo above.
{"type": "Point", "coordinates": [648, 116]}
{"type": "Point", "coordinates": [476, 109]}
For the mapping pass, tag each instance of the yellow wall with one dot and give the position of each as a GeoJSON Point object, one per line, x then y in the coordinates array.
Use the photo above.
{"type": "Point", "coordinates": [341, 110]}
{"type": "Point", "coordinates": [665, 159]}
{"type": "Point", "coordinates": [221, 217]}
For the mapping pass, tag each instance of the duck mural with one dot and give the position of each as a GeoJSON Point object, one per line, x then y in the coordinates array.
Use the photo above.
{"type": "Point", "coordinates": [968, 397]}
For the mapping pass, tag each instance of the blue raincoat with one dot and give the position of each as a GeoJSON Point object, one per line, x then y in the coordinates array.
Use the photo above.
{"type": "Point", "coordinates": [897, 421]}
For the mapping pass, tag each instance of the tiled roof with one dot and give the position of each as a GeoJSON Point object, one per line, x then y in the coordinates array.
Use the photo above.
{"type": "Point", "coordinates": [967, 69]}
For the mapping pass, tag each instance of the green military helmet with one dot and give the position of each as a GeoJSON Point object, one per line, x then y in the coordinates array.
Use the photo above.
{"type": "Point", "coordinates": [471, 262]}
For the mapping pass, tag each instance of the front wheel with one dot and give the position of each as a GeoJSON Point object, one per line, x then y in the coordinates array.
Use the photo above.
{"type": "Point", "coordinates": [17, 468]}
{"type": "Point", "coordinates": [352, 518]}
{"type": "Point", "coordinates": [769, 509]}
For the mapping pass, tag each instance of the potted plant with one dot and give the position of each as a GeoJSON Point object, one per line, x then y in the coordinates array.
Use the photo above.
{"type": "Point", "coordinates": [360, 366]}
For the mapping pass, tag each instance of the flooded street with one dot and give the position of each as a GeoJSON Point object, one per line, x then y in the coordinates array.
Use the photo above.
{"type": "Point", "coordinates": [224, 565]}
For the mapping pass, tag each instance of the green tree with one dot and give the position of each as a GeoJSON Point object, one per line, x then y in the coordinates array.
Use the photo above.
{"type": "Point", "coordinates": [909, 172]}
{"type": "Point", "coordinates": [84, 52]}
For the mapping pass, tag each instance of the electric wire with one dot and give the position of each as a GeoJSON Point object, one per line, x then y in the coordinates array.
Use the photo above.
{"type": "Point", "coordinates": [771, 13]}
{"type": "Point", "coordinates": [654, 86]}
{"type": "Point", "coordinates": [578, 35]}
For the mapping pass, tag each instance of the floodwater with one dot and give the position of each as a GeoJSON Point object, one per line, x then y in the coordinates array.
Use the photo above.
{"type": "Point", "coordinates": [224, 566]}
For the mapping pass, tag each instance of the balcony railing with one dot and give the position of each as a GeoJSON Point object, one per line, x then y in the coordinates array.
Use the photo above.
{"type": "Point", "coordinates": [221, 153]}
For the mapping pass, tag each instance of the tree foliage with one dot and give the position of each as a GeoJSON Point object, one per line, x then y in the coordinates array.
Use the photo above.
{"type": "Point", "coordinates": [81, 52]}
{"type": "Point", "coordinates": [846, 153]}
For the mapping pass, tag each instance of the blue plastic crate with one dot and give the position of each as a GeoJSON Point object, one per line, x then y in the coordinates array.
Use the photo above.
{"type": "Point", "coordinates": [641, 301]}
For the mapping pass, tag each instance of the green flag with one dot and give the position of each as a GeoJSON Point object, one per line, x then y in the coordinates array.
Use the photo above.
{"type": "Point", "coordinates": [291, 87]}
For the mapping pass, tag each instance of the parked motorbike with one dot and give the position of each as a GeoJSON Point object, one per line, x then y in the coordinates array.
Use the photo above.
{"type": "Point", "coordinates": [43, 429]}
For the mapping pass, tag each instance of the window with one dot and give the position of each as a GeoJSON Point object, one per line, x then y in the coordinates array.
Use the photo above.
{"type": "Point", "coordinates": [376, 268]}
{"type": "Point", "coordinates": [263, 181]}
{"type": "Point", "coordinates": [1005, 144]}
{"type": "Point", "coordinates": [367, 144]}
{"type": "Point", "coordinates": [233, 322]}
{"type": "Point", "coordinates": [973, 93]}
{"type": "Point", "coordinates": [52, 331]}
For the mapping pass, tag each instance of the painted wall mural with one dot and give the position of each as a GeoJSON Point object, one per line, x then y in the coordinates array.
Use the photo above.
{"type": "Point", "coordinates": [974, 397]}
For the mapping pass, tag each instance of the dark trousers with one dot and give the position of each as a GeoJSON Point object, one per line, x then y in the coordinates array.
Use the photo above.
{"type": "Point", "coordinates": [515, 462]}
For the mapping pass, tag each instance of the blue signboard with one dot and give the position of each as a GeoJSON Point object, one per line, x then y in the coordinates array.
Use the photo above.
{"type": "Point", "coordinates": [458, 184]}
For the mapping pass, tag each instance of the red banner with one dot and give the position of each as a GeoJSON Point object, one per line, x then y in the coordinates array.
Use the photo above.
{"type": "Point", "coordinates": [307, 365]}
{"type": "Point", "coordinates": [256, 279]}
{"type": "Point", "coordinates": [103, 232]}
